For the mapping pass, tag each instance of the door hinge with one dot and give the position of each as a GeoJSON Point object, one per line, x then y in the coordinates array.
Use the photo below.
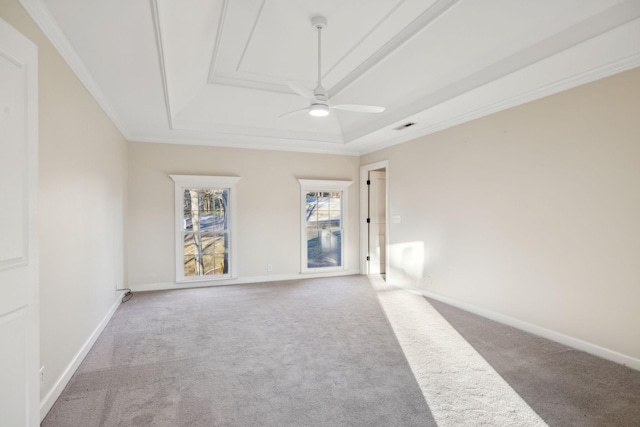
{"type": "Point", "coordinates": [368, 258]}
{"type": "Point", "coordinates": [368, 182]}
{"type": "Point", "coordinates": [368, 220]}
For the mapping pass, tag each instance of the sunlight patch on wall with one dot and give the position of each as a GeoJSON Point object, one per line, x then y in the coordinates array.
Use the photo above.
{"type": "Point", "coordinates": [406, 264]}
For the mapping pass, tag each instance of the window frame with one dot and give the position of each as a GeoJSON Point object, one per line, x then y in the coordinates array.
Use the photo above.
{"type": "Point", "coordinates": [197, 182]}
{"type": "Point", "coordinates": [307, 185]}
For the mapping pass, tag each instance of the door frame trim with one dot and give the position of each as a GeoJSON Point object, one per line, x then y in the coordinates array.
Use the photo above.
{"type": "Point", "coordinates": [364, 209]}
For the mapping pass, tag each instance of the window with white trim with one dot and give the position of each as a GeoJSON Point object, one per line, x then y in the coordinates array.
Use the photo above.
{"type": "Point", "coordinates": [323, 231]}
{"type": "Point", "coordinates": [205, 227]}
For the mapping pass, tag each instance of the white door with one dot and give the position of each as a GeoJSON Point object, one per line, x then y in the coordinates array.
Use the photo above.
{"type": "Point", "coordinates": [19, 327]}
{"type": "Point", "coordinates": [377, 221]}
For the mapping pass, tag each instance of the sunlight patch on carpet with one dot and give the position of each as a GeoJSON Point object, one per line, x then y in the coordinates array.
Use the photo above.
{"type": "Point", "coordinates": [461, 388]}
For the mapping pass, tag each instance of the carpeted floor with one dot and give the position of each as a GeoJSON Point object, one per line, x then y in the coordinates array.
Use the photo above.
{"type": "Point", "coordinates": [459, 386]}
{"type": "Point", "coordinates": [318, 352]}
{"type": "Point", "coordinates": [567, 387]}
{"type": "Point", "coordinates": [322, 352]}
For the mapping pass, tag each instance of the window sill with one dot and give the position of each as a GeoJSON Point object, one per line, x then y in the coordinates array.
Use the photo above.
{"type": "Point", "coordinates": [204, 279]}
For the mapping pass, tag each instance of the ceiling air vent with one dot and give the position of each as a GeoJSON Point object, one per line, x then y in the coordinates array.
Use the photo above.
{"type": "Point", "coordinates": [404, 126]}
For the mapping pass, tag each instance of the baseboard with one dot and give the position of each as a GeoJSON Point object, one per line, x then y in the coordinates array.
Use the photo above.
{"type": "Point", "coordinates": [54, 393]}
{"type": "Point", "coordinates": [163, 286]}
{"type": "Point", "coordinates": [567, 340]}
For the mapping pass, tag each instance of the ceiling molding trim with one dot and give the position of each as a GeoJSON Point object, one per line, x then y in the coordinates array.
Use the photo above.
{"type": "Point", "coordinates": [216, 47]}
{"type": "Point", "coordinates": [418, 24]}
{"type": "Point", "coordinates": [41, 15]}
{"type": "Point", "coordinates": [366, 36]}
{"type": "Point", "coordinates": [250, 84]}
{"type": "Point", "coordinates": [191, 127]}
{"type": "Point", "coordinates": [250, 38]}
{"type": "Point", "coordinates": [250, 142]}
{"type": "Point", "coordinates": [163, 70]}
{"type": "Point", "coordinates": [614, 17]}
{"type": "Point", "coordinates": [616, 67]}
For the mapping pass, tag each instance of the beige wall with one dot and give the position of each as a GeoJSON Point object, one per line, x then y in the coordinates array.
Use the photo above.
{"type": "Point", "coordinates": [82, 187]}
{"type": "Point", "coordinates": [268, 197]}
{"type": "Point", "coordinates": [532, 213]}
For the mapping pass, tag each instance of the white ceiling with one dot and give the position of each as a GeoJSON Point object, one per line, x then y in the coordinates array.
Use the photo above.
{"type": "Point", "coordinates": [215, 72]}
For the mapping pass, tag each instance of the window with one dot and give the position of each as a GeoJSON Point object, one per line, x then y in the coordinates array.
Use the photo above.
{"type": "Point", "coordinates": [205, 221]}
{"type": "Point", "coordinates": [323, 229]}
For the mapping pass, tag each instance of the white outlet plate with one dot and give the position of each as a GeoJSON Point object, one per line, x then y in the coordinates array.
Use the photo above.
{"type": "Point", "coordinates": [269, 267]}
{"type": "Point", "coordinates": [41, 375]}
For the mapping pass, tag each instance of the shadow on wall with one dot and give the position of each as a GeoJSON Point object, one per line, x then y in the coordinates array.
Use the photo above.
{"type": "Point", "coordinates": [406, 264]}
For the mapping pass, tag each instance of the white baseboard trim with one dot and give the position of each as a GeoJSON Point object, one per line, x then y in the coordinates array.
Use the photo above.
{"type": "Point", "coordinates": [163, 286]}
{"type": "Point", "coordinates": [47, 402]}
{"type": "Point", "coordinates": [567, 340]}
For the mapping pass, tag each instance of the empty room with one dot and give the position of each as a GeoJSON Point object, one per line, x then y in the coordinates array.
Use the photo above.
{"type": "Point", "coordinates": [319, 213]}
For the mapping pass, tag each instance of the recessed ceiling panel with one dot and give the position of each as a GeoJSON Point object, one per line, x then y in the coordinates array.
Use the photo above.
{"type": "Point", "coordinates": [216, 71]}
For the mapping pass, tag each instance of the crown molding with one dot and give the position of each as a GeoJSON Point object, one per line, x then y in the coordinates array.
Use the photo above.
{"type": "Point", "coordinates": [248, 142]}
{"type": "Point", "coordinates": [42, 17]}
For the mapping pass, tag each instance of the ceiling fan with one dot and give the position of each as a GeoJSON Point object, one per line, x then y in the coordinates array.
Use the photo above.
{"type": "Point", "coordinates": [320, 105]}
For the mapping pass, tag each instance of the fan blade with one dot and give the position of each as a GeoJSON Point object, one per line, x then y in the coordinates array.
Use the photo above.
{"type": "Point", "coordinates": [301, 90]}
{"type": "Point", "coordinates": [290, 113]}
{"type": "Point", "coordinates": [358, 108]}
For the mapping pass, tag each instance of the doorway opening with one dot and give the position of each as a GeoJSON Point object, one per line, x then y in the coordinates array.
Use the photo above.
{"type": "Point", "coordinates": [374, 208]}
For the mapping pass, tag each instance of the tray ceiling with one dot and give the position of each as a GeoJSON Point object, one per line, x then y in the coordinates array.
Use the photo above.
{"type": "Point", "coordinates": [216, 72]}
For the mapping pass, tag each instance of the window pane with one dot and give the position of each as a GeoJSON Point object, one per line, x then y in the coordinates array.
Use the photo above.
{"type": "Point", "coordinates": [206, 254]}
{"type": "Point", "coordinates": [208, 243]}
{"type": "Point", "coordinates": [192, 254]}
{"type": "Point", "coordinates": [216, 264]}
{"type": "Point", "coordinates": [187, 224]}
{"type": "Point", "coordinates": [189, 244]}
{"type": "Point", "coordinates": [220, 219]}
{"type": "Point", "coordinates": [206, 221]}
{"type": "Point", "coordinates": [189, 266]}
{"type": "Point", "coordinates": [206, 200]}
{"type": "Point", "coordinates": [215, 243]}
{"type": "Point", "coordinates": [324, 248]}
{"type": "Point", "coordinates": [190, 207]}
{"type": "Point", "coordinates": [335, 210]}
{"type": "Point", "coordinates": [312, 212]}
{"type": "Point", "coordinates": [221, 243]}
{"type": "Point", "coordinates": [324, 210]}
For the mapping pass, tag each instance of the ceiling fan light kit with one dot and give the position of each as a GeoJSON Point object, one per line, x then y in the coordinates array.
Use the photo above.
{"type": "Point", "coordinates": [320, 105]}
{"type": "Point", "coordinates": [319, 110]}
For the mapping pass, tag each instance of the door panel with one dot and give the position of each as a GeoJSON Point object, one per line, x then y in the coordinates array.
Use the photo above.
{"type": "Point", "coordinates": [19, 358]}
{"type": "Point", "coordinates": [13, 330]}
{"type": "Point", "coordinates": [377, 224]}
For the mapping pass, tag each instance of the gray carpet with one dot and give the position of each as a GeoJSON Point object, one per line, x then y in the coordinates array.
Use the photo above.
{"type": "Point", "coordinates": [318, 352]}
{"type": "Point", "coordinates": [566, 387]}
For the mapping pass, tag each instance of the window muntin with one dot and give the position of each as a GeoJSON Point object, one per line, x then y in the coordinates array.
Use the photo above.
{"type": "Point", "coordinates": [205, 227]}
{"type": "Point", "coordinates": [206, 232]}
{"type": "Point", "coordinates": [323, 226]}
